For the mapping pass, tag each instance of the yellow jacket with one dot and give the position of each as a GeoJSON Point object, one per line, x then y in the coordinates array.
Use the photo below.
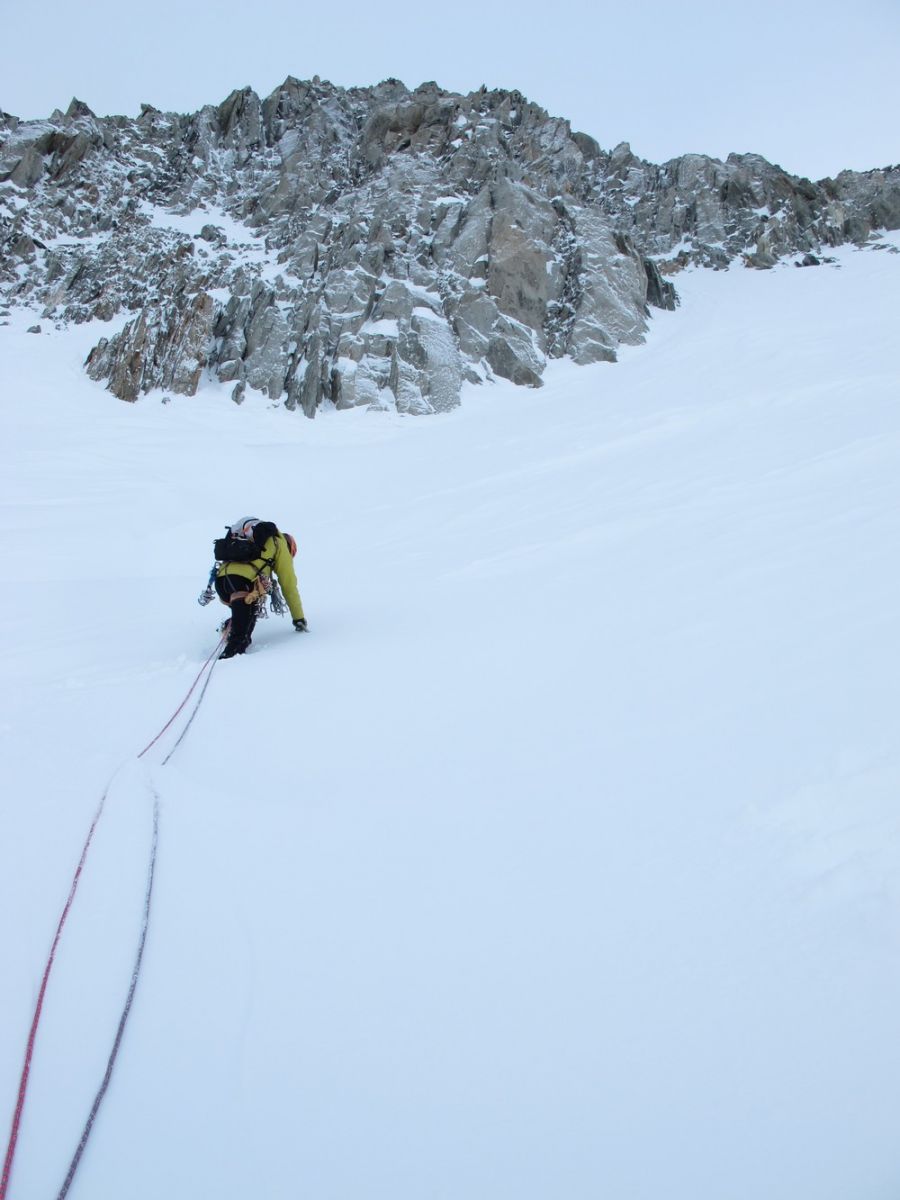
{"type": "Point", "coordinates": [275, 552]}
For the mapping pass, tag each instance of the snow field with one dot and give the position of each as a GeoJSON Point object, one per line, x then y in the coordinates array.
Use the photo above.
{"type": "Point", "coordinates": [559, 858]}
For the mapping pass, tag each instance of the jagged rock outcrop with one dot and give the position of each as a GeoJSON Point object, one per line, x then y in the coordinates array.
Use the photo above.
{"type": "Point", "coordinates": [698, 209]}
{"type": "Point", "coordinates": [160, 348]}
{"type": "Point", "coordinates": [377, 246]}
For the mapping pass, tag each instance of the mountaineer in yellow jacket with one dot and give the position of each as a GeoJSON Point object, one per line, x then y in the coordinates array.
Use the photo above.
{"type": "Point", "coordinates": [246, 557]}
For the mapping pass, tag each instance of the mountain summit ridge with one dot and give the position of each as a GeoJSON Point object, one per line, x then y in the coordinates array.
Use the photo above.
{"type": "Point", "coordinates": [377, 246]}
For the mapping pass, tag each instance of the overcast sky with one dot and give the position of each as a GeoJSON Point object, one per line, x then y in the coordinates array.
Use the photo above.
{"type": "Point", "coordinates": [810, 84]}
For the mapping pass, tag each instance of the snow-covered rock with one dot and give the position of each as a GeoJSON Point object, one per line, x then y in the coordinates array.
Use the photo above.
{"type": "Point", "coordinates": [268, 241]}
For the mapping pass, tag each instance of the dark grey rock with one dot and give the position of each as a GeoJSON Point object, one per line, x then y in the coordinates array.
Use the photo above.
{"type": "Point", "coordinates": [165, 347]}
{"type": "Point", "coordinates": [24, 248]}
{"type": "Point", "coordinates": [510, 360]}
{"type": "Point", "coordinates": [26, 171]}
{"type": "Point", "coordinates": [660, 293]}
{"type": "Point", "coordinates": [378, 246]}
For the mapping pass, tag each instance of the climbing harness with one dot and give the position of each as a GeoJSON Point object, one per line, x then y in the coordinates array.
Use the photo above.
{"type": "Point", "coordinates": [242, 547]}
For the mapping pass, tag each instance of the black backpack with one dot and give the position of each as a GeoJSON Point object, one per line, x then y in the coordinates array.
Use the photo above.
{"type": "Point", "coordinates": [232, 548]}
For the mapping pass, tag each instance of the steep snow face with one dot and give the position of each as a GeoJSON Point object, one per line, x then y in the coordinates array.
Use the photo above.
{"type": "Point", "coordinates": [559, 858]}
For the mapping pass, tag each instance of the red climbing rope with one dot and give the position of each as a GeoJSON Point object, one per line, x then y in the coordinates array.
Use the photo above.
{"type": "Point", "coordinates": [126, 1011]}
{"type": "Point", "coordinates": [213, 658]}
{"type": "Point", "coordinates": [38, 1008]}
{"type": "Point", "coordinates": [35, 1021]}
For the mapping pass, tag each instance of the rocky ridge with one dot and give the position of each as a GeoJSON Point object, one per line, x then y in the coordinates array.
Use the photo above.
{"type": "Point", "coordinates": [376, 246]}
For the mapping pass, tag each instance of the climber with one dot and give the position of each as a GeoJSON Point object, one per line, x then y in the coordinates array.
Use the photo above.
{"type": "Point", "coordinates": [245, 559]}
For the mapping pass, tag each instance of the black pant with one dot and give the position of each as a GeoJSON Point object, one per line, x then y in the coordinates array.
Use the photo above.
{"type": "Point", "coordinates": [243, 616]}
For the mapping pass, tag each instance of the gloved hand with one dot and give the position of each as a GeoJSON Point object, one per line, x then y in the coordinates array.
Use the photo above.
{"type": "Point", "coordinates": [300, 624]}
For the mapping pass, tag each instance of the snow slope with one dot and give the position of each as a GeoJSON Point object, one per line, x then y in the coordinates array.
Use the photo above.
{"type": "Point", "coordinates": [559, 859]}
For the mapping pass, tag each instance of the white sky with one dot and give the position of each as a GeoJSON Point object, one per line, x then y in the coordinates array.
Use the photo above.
{"type": "Point", "coordinates": [810, 84]}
